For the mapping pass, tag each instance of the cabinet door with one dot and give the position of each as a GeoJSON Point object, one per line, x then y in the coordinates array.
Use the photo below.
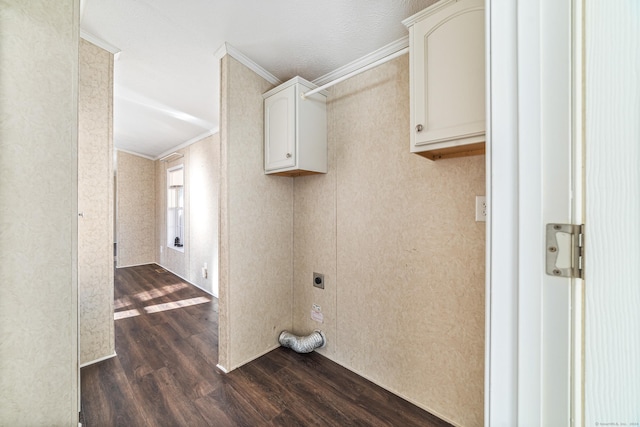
{"type": "Point", "coordinates": [280, 130]}
{"type": "Point", "coordinates": [448, 66]}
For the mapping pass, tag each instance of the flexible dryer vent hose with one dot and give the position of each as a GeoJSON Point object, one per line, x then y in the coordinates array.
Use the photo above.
{"type": "Point", "coordinates": [302, 344]}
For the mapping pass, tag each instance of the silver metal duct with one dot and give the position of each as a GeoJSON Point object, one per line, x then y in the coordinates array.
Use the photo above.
{"type": "Point", "coordinates": [302, 344]}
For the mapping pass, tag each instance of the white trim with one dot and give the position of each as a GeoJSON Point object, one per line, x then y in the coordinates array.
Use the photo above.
{"type": "Point", "coordinates": [501, 338]}
{"type": "Point", "coordinates": [176, 148]}
{"type": "Point", "coordinates": [364, 61]}
{"type": "Point", "coordinates": [530, 199]}
{"type": "Point", "coordinates": [133, 153]}
{"type": "Point", "coordinates": [521, 354]}
{"type": "Point", "coordinates": [83, 3]}
{"type": "Point", "coordinates": [99, 360]}
{"type": "Point", "coordinates": [187, 143]}
{"type": "Point", "coordinates": [172, 272]}
{"type": "Point", "coordinates": [227, 49]}
{"type": "Point", "coordinates": [222, 368]}
{"type": "Point", "coordinates": [544, 196]}
{"type": "Point", "coordinates": [136, 265]}
{"type": "Point", "coordinates": [186, 280]}
{"type": "Point", "coordinates": [257, 356]}
{"type": "Point", "coordinates": [380, 61]}
{"type": "Point", "coordinates": [178, 249]}
{"type": "Point", "coordinates": [168, 156]}
{"type": "Point", "coordinates": [397, 392]}
{"type": "Point", "coordinates": [577, 372]}
{"type": "Point", "coordinates": [99, 42]}
{"type": "Point", "coordinates": [426, 12]}
{"type": "Point", "coordinates": [295, 80]}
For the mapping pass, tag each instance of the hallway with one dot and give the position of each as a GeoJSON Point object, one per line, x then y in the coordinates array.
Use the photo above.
{"type": "Point", "coordinates": [165, 373]}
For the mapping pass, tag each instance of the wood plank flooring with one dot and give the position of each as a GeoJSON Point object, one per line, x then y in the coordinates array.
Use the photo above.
{"type": "Point", "coordinates": [165, 373]}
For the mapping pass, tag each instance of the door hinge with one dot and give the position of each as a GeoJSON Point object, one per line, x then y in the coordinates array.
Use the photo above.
{"type": "Point", "coordinates": [565, 250]}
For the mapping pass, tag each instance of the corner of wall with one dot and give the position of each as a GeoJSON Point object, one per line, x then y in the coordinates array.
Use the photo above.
{"type": "Point", "coordinates": [256, 223]}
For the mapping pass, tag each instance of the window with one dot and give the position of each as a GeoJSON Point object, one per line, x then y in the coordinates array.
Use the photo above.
{"type": "Point", "coordinates": [175, 208]}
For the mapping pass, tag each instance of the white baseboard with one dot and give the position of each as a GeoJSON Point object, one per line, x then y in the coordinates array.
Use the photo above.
{"type": "Point", "coordinates": [394, 391]}
{"type": "Point", "coordinates": [136, 265]}
{"type": "Point", "coordinates": [99, 360]}
{"type": "Point", "coordinates": [185, 279]}
{"type": "Point", "coordinates": [251, 359]}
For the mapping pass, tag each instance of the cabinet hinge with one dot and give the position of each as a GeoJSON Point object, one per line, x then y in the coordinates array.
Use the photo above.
{"type": "Point", "coordinates": [565, 250]}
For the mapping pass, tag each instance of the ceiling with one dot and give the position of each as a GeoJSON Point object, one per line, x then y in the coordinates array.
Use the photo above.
{"type": "Point", "coordinates": [166, 74]}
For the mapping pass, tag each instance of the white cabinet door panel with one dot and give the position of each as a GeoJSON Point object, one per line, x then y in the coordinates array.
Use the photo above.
{"type": "Point", "coordinates": [447, 75]}
{"type": "Point", "coordinates": [280, 130]}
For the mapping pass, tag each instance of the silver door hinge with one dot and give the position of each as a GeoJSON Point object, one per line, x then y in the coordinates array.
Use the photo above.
{"type": "Point", "coordinates": [565, 250]}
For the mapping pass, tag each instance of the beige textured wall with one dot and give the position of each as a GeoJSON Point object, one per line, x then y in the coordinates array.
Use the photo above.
{"type": "Point", "coordinates": [136, 198]}
{"type": "Point", "coordinates": [202, 176]}
{"type": "Point", "coordinates": [38, 212]}
{"type": "Point", "coordinates": [403, 258]}
{"type": "Point", "coordinates": [256, 226]}
{"type": "Point", "coordinates": [95, 201]}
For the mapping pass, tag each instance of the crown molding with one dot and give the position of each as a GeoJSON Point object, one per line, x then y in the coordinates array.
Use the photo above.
{"type": "Point", "coordinates": [391, 48]}
{"type": "Point", "coordinates": [133, 153]}
{"type": "Point", "coordinates": [99, 42]}
{"type": "Point", "coordinates": [227, 49]}
{"type": "Point", "coordinates": [295, 80]}
{"type": "Point", "coordinates": [364, 61]}
{"type": "Point", "coordinates": [186, 143]}
{"type": "Point", "coordinates": [426, 12]}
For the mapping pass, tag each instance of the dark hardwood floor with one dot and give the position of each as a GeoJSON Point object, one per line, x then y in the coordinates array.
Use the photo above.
{"type": "Point", "coordinates": [165, 373]}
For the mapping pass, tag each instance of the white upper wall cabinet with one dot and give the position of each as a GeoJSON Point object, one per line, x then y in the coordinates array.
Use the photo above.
{"type": "Point", "coordinates": [447, 56]}
{"type": "Point", "coordinates": [295, 130]}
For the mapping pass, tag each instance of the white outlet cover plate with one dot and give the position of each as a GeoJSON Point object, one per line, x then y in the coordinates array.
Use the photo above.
{"type": "Point", "coordinates": [481, 208]}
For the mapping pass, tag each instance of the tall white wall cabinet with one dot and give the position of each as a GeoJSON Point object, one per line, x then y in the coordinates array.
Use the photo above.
{"type": "Point", "coordinates": [446, 44]}
{"type": "Point", "coordinates": [295, 130]}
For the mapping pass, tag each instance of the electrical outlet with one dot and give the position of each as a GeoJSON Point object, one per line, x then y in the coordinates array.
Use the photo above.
{"type": "Point", "coordinates": [481, 208]}
{"type": "Point", "coordinates": [205, 273]}
{"type": "Point", "coordinates": [318, 280]}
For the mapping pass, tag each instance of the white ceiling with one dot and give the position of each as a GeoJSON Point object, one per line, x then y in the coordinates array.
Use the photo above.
{"type": "Point", "coordinates": [165, 77]}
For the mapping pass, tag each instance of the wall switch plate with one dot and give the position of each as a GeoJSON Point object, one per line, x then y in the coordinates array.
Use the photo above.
{"type": "Point", "coordinates": [318, 280]}
{"type": "Point", "coordinates": [481, 209]}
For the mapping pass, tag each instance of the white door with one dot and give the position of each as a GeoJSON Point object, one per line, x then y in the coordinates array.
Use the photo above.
{"type": "Point", "coordinates": [550, 86]}
{"type": "Point", "coordinates": [612, 154]}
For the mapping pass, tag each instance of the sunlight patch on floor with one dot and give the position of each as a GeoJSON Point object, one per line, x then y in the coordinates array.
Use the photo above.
{"type": "Point", "coordinates": [157, 293]}
{"type": "Point", "coordinates": [122, 302]}
{"type": "Point", "coordinates": [125, 314]}
{"type": "Point", "coordinates": [176, 304]}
